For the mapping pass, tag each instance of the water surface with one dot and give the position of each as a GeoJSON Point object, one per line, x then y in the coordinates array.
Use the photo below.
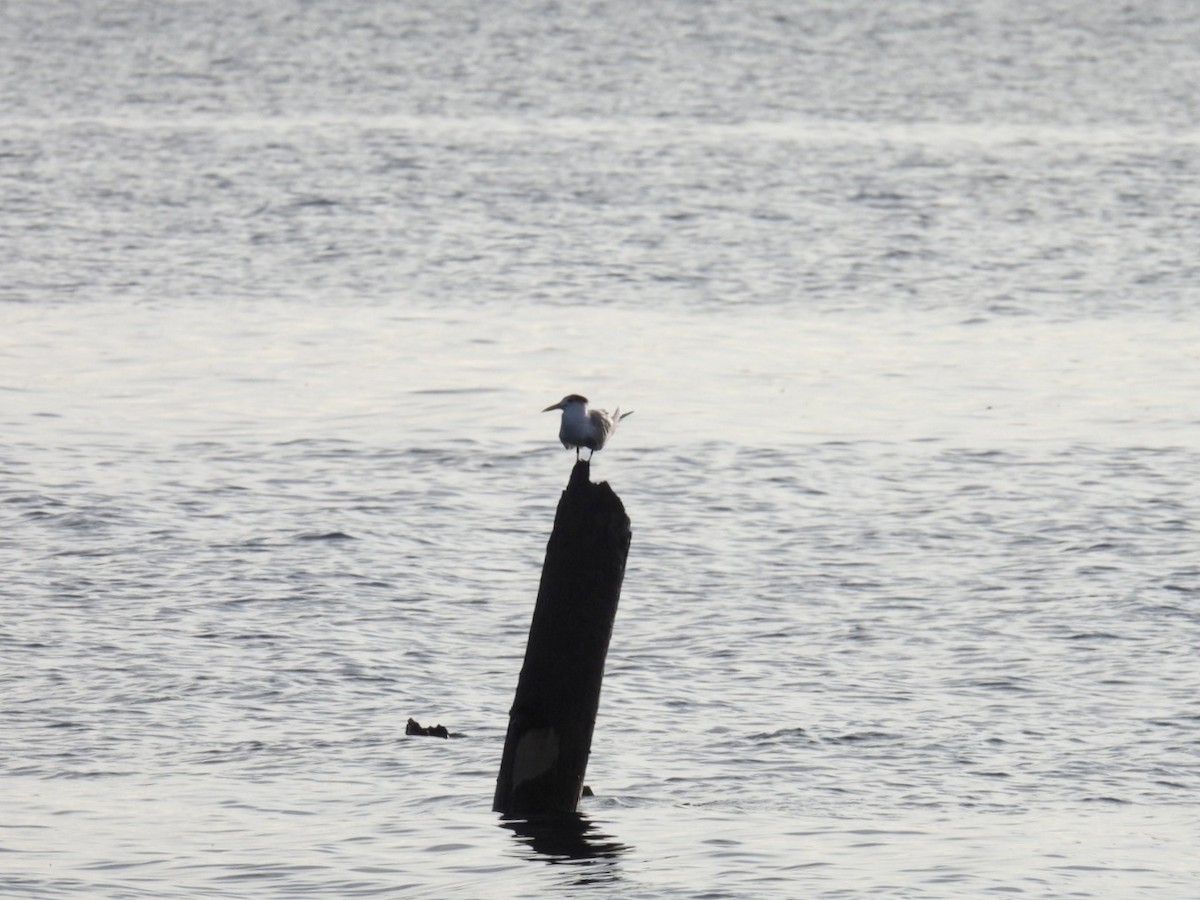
{"type": "Point", "coordinates": [902, 297]}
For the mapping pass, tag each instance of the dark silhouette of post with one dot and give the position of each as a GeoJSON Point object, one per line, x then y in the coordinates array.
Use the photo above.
{"type": "Point", "coordinates": [551, 721]}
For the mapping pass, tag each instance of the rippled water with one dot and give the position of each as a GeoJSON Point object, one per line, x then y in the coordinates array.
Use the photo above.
{"type": "Point", "coordinates": [903, 296]}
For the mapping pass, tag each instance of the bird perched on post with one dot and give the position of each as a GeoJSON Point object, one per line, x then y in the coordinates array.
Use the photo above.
{"type": "Point", "coordinates": [583, 427]}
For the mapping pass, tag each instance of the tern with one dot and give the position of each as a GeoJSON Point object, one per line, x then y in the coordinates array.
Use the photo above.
{"type": "Point", "coordinates": [583, 427]}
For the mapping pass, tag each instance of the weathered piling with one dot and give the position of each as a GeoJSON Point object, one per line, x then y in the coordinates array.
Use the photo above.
{"type": "Point", "coordinates": [558, 693]}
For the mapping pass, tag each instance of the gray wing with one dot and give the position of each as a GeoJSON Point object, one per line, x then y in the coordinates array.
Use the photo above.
{"type": "Point", "coordinates": [604, 426]}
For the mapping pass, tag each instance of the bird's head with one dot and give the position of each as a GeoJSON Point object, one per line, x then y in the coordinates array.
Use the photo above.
{"type": "Point", "coordinates": [568, 401]}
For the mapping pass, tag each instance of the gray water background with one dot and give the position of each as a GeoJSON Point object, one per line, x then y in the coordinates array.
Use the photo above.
{"type": "Point", "coordinates": [903, 295]}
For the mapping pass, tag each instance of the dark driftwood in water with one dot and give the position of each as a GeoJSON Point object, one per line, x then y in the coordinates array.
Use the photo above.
{"type": "Point", "coordinates": [551, 721]}
{"type": "Point", "coordinates": [416, 728]}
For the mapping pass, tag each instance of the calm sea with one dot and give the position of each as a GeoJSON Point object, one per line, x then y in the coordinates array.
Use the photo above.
{"type": "Point", "coordinates": [904, 296]}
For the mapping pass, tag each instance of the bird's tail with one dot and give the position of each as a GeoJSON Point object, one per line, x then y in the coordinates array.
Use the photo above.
{"type": "Point", "coordinates": [618, 415]}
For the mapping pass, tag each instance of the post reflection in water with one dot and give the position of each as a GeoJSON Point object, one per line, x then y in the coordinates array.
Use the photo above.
{"type": "Point", "coordinates": [569, 838]}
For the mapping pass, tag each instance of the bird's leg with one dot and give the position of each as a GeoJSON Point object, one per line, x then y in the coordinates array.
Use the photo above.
{"type": "Point", "coordinates": [576, 454]}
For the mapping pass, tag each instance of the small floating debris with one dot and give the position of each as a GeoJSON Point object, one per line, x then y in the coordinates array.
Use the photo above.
{"type": "Point", "coordinates": [415, 727]}
{"type": "Point", "coordinates": [328, 536]}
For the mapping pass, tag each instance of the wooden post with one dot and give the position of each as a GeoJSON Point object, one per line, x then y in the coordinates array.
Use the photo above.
{"type": "Point", "coordinates": [551, 721]}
